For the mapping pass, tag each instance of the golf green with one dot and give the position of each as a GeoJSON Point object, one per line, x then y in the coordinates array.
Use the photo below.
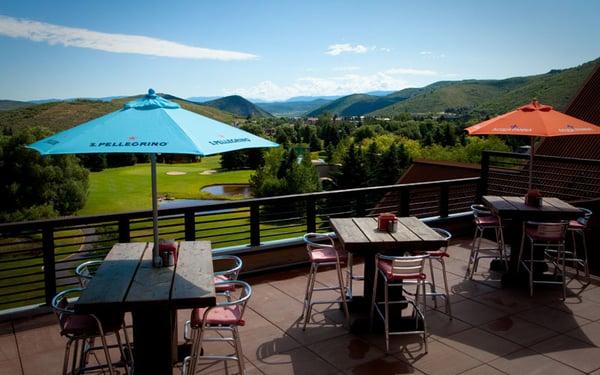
{"type": "Point", "coordinates": [128, 188]}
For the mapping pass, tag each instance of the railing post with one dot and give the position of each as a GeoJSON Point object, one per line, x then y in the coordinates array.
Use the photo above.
{"type": "Point", "coordinates": [254, 225]}
{"type": "Point", "coordinates": [189, 219]}
{"type": "Point", "coordinates": [124, 232]}
{"type": "Point", "coordinates": [404, 201]}
{"type": "Point", "coordinates": [311, 215]}
{"type": "Point", "coordinates": [485, 169]}
{"type": "Point", "coordinates": [360, 204]}
{"type": "Point", "coordinates": [49, 264]}
{"type": "Point", "coordinates": [444, 193]}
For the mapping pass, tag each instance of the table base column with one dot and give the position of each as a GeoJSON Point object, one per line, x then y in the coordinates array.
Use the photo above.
{"type": "Point", "coordinates": [154, 340]}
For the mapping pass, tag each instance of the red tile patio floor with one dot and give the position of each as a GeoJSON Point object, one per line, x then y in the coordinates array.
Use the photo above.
{"type": "Point", "coordinates": [494, 331]}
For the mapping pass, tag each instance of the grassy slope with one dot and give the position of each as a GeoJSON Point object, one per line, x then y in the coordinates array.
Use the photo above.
{"type": "Point", "coordinates": [128, 188]}
{"type": "Point", "coordinates": [239, 106]}
{"type": "Point", "coordinates": [7, 105]}
{"type": "Point", "coordinates": [353, 105]}
{"type": "Point", "coordinates": [63, 115]}
{"type": "Point", "coordinates": [292, 108]}
{"type": "Point", "coordinates": [556, 88]}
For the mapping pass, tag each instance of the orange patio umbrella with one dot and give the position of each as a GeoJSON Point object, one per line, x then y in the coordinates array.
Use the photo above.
{"type": "Point", "coordinates": [534, 120]}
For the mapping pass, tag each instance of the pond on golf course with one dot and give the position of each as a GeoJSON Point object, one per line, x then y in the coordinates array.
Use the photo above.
{"type": "Point", "coordinates": [229, 190]}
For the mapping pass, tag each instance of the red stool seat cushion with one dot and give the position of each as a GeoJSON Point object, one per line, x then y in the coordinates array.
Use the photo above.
{"type": "Point", "coordinates": [223, 287]}
{"type": "Point", "coordinates": [536, 236]}
{"type": "Point", "coordinates": [326, 255]}
{"type": "Point", "coordinates": [487, 221]}
{"type": "Point", "coordinates": [222, 315]}
{"type": "Point", "coordinates": [437, 253]}
{"type": "Point", "coordinates": [386, 267]}
{"type": "Point", "coordinates": [86, 325]}
{"type": "Point", "coordinates": [574, 224]}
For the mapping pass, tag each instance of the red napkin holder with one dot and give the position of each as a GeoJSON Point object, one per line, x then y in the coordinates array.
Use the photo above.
{"type": "Point", "coordinates": [165, 246]}
{"type": "Point", "coordinates": [533, 198]}
{"type": "Point", "coordinates": [383, 220]}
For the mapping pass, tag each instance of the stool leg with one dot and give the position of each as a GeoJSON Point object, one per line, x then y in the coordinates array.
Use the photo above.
{"type": "Point", "coordinates": [531, 270]}
{"type": "Point", "coordinates": [433, 289]}
{"type": "Point", "coordinates": [314, 269]}
{"type": "Point", "coordinates": [448, 306]}
{"type": "Point", "coordinates": [343, 293]}
{"type": "Point", "coordinates": [107, 354]}
{"type": "Point", "coordinates": [503, 256]}
{"type": "Point", "coordinates": [585, 254]}
{"type": "Point", "coordinates": [349, 275]}
{"type": "Point", "coordinates": [373, 299]}
{"type": "Point", "coordinates": [468, 273]}
{"type": "Point", "coordinates": [238, 350]}
{"type": "Point", "coordinates": [386, 321]}
{"type": "Point", "coordinates": [66, 359]}
{"type": "Point", "coordinates": [307, 291]}
{"type": "Point", "coordinates": [575, 254]}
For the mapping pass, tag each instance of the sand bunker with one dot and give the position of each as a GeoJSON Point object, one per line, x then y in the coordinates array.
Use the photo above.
{"type": "Point", "coordinates": [176, 173]}
{"type": "Point", "coordinates": [208, 171]}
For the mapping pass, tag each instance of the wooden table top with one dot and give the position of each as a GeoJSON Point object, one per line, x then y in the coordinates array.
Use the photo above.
{"type": "Point", "coordinates": [510, 206]}
{"type": "Point", "coordinates": [126, 280]}
{"type": "Point", "coordinates": [360, 234]}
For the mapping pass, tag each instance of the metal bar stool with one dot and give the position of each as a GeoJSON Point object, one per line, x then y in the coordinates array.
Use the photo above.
{"type": "Point", "coordinates": [225, 317]}
{"type": "Point", "coordinates": [578, 228]}
{"type": "Point", "coordinates": [83, 329]}
{"type": "Point", "coordinates": [86, 271]}
{"type": "Point", "coordinates": [323, 254]}
{"type": "Point", "coordinates": [551, 238]}
{"type": "Point", "coordinates": [439, 255]}
{"type": "Point", "coordinates": [222, 288]}
{"type": "Point", "coordinates": [485, 220]}
{"type": "Point", "coordinates": [396, 272]}
{"type": "Point", "coordinates": [350, 276]}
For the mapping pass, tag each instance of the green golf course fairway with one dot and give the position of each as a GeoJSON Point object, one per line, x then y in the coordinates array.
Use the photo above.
{"type": "Point", "coordinates": [128, 188]}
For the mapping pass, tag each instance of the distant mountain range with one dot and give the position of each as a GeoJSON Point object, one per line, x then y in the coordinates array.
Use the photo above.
{"type": "Point", "coordinates": [66, 114]}
{"type": "Point", "coordinates": [556, 88]}
{"type": "Point", "coordinates": [238, 106]}
{"type": "Point", "coordinates": [7, 105]}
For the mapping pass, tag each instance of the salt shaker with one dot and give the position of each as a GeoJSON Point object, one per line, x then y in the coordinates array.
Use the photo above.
{"type": "Point", "coordinates": [392, 226]}
{"type": "Point", "coordinates": [170, 259]}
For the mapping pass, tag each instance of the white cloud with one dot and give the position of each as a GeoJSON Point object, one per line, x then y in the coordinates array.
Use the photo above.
{"type": "Point", "coordinates": [410, 71]}
{"type": "Point", "coordinates": [384, 49]}
{"type": "Point", "coordinates": [116, 43]}
{"type": "Point", "coordinates": [336, 49]}
{"type": "Point", "coordinates": [432, 55]}
{"type": "Point", "coordinates": [314, 86]}
{"type": "Point", "coordinates": [346, 68]}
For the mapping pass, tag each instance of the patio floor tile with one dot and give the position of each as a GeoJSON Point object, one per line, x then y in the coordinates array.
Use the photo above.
{"type": "Point", "coordinates": [441, 359]}
{"type": "Point", "coordinates": [554, 319]}
{"type": "Point", "coordinates": [518, 330]}
{"type": "Point", "coordinates": [475, 313]}
{"type": "Point", "coordinates": [575, 353]}
{"type": "Point", "coordinates": [480, 344]}
{"type": "Point", "coordinates": [527, 361]}
{"type": "Point", "coordinates": [346, 351]}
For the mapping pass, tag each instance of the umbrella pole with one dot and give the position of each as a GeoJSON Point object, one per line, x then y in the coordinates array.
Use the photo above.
{"type": "Point", "coordinates": [531, 151]}
{"type": "Point", "coordinates": [155, 256]}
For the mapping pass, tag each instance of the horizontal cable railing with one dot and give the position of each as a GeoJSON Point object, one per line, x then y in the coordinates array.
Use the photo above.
{"type": "Point", "coordinates": [38, 258]}
{"type": "Point", "coordinates": [570, 179]}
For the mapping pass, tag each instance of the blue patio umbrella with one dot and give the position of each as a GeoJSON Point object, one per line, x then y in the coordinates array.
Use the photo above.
{"type": "Point", "coordinates": [150, 125]}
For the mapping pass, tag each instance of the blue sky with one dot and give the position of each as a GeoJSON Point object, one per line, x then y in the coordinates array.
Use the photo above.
{"type": "Point", "coordinates": [279, 49]}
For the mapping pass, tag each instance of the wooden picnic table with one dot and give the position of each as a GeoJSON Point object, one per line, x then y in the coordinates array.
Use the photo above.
{"type": "Point", "coordinates": [513, 212]}
{"type": "Point", "coordinates": [360, 236]}
{"type": "Point", "coordinates": [127, 281]}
